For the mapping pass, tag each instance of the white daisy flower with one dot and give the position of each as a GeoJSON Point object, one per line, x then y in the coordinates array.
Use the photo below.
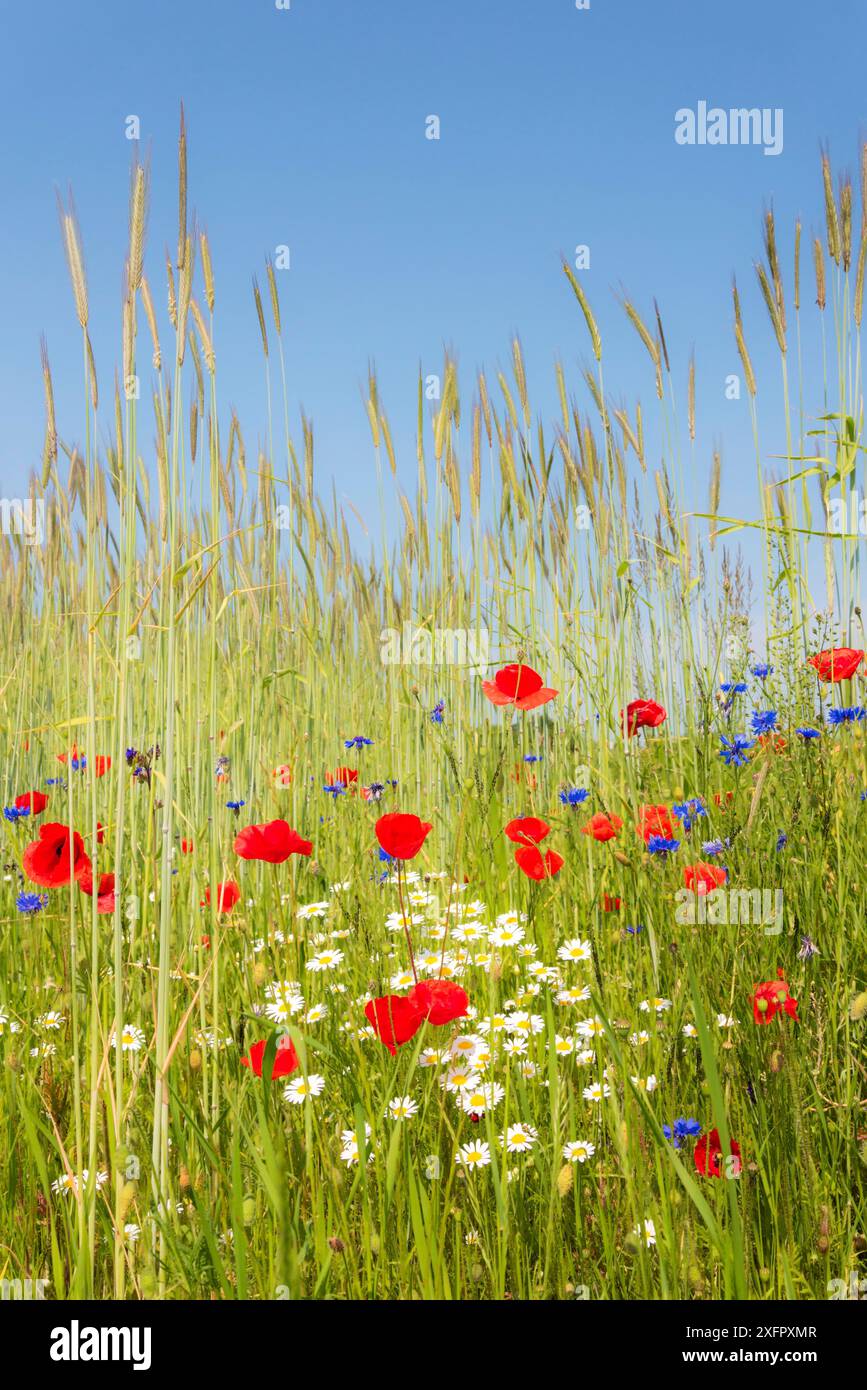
{"type": "Point", "coordinates": [649, 1232]}
{"type": "Point", "coordinates": [578, 1150]}
{"type": "Point", "coordinates": [575, 949]}
{"type": "Point", "coordinates": [325, 960]}
{"type": "Point", "coordinates": [519, 1138]}
{"type": "Point", "coordinates": [474, 1155]}
{"type": "Point", "coordinates": [402, 1107]}
{"type": "Point", "coordinates": [303, 1088]}
{"type": "Point", "coordinates": [131, 1038]}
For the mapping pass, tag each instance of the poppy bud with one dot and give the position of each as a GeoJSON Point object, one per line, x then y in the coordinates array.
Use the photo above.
{"type": "Point", "coordinates": [762, 1006]}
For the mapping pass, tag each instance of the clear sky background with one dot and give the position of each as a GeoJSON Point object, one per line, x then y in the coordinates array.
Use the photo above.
{"type": "Point", "coordinates": [307, 128]}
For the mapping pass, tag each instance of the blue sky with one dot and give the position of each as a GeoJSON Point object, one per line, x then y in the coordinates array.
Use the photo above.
{"type": "Point", "coordinates": [307, 128]}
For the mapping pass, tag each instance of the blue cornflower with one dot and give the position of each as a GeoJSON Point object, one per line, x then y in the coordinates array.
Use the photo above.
{"type": "Point", "coordinates": [853, 715]}
{"type": "Point", "coordinates": [235, 806]}
{"type": "Point", "coordinates": [808, 948]}
{"type": "Point", "coordinates": [573, 796]}
{"type": "Point", "coordinates": [79, 764]}
{"type": "Point", "coordinates": [763, 721]}
{"type": "Point", "coordinates": [733, 687]}
{"type": "Point", "coordinates": [761, 671]}
{"type": "Point", "coordinates": [31, 903]}
{"type": "Point", "coordinates": [357, 742]}
{"type": "Point", "coordinates": [864, 796]}
{"type": "Point", "coordinates": [15, 813]}
{"type": "Point", "coordinates": [436, 714]}
{"type": "Point", "coordinates": [712, 847]}
{"type": "Point", "coordinates": [55, 782]}
{"type": "Point", "coordinates": [387, 860]}
{"type": "Point", "coordinates": [658, 844]}
{"type": "Point", "coordinates": [689, 811]}
{"type": "Point", "coordinates": [532, 757]}
{"type": "Point", "coordinates": [807, 734]}
{"type": "Point", "coordinates": [130, 754]}
{"type": "Point", "coordinates": [633, 931]}
{"type": "Point", "coordinates": [681, 1129]}
{"type": "Point", "coordinates": [782, 841]}
{"type": "Point", "coordinates": [337, 790]}
{"type": "Point", "coordinates": [732, 751]}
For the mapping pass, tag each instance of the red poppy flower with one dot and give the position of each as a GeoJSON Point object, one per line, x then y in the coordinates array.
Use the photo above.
{"type": "Point", "coordinates": [57, 857]}
{"type": "Point", "coordinates": [402, 836]}
{"type": "Point", "coordinates": [703, 878]}
{"type": "Point", "coordinates": [602, 827]}
{"type": "Point", "coordinates": [774, 741]}
{"type": "Point", "coordinates": [273, 842]}
{"type": "Point", "coordinates": [655, 820]}
{"type": "Point", "coordinates": [228, 894]}
{"type": "Point", "coordinates": [518, 685]}
{"type": "Point", "coordinates": [105, 896]}
{"type": "Point", "coordinates": [643, 714]}
{"type": "Point", "coordinates": [723, 798]}
{"type": "Point", "coordinates": [283, 775]}
{"type": "Point", "coordinates": [771, 998]}
{"type": "Point", "coordinates": [536, 865]}
{"type": "Point", "coordinates": [838, 664]}
{"type": "Point", "coordinates": [285, 1062]}
{"type": "Point", "coordinates": [100, 833]}
{"type": "Point", "coordinates": [101, 765]}
{"type": "Point", "coordinates": [440, 1001]}
{"type": "Point", "coordinates": [394, 1018]}
{"type": "Point", "coordinates": [186, 846]}
{"type": "Point", "coordinates": [708, 1155]}
{"type": "Point", "coordinates": [525, 774]}
{"type": "Point", "coordinates": [527, 830]}
{"type": "Point", "coordinates": [35, 802]}
{"type": "Point", "coordinates": [73, 753]}
{"type": "Point", "coordinates": [341, 777]}
{"type": "Point", "coordinates": [610, 904]}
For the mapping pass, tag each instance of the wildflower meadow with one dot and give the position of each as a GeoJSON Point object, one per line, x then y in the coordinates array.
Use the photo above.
{"type": "Point", "coordinates": [475, 913]}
